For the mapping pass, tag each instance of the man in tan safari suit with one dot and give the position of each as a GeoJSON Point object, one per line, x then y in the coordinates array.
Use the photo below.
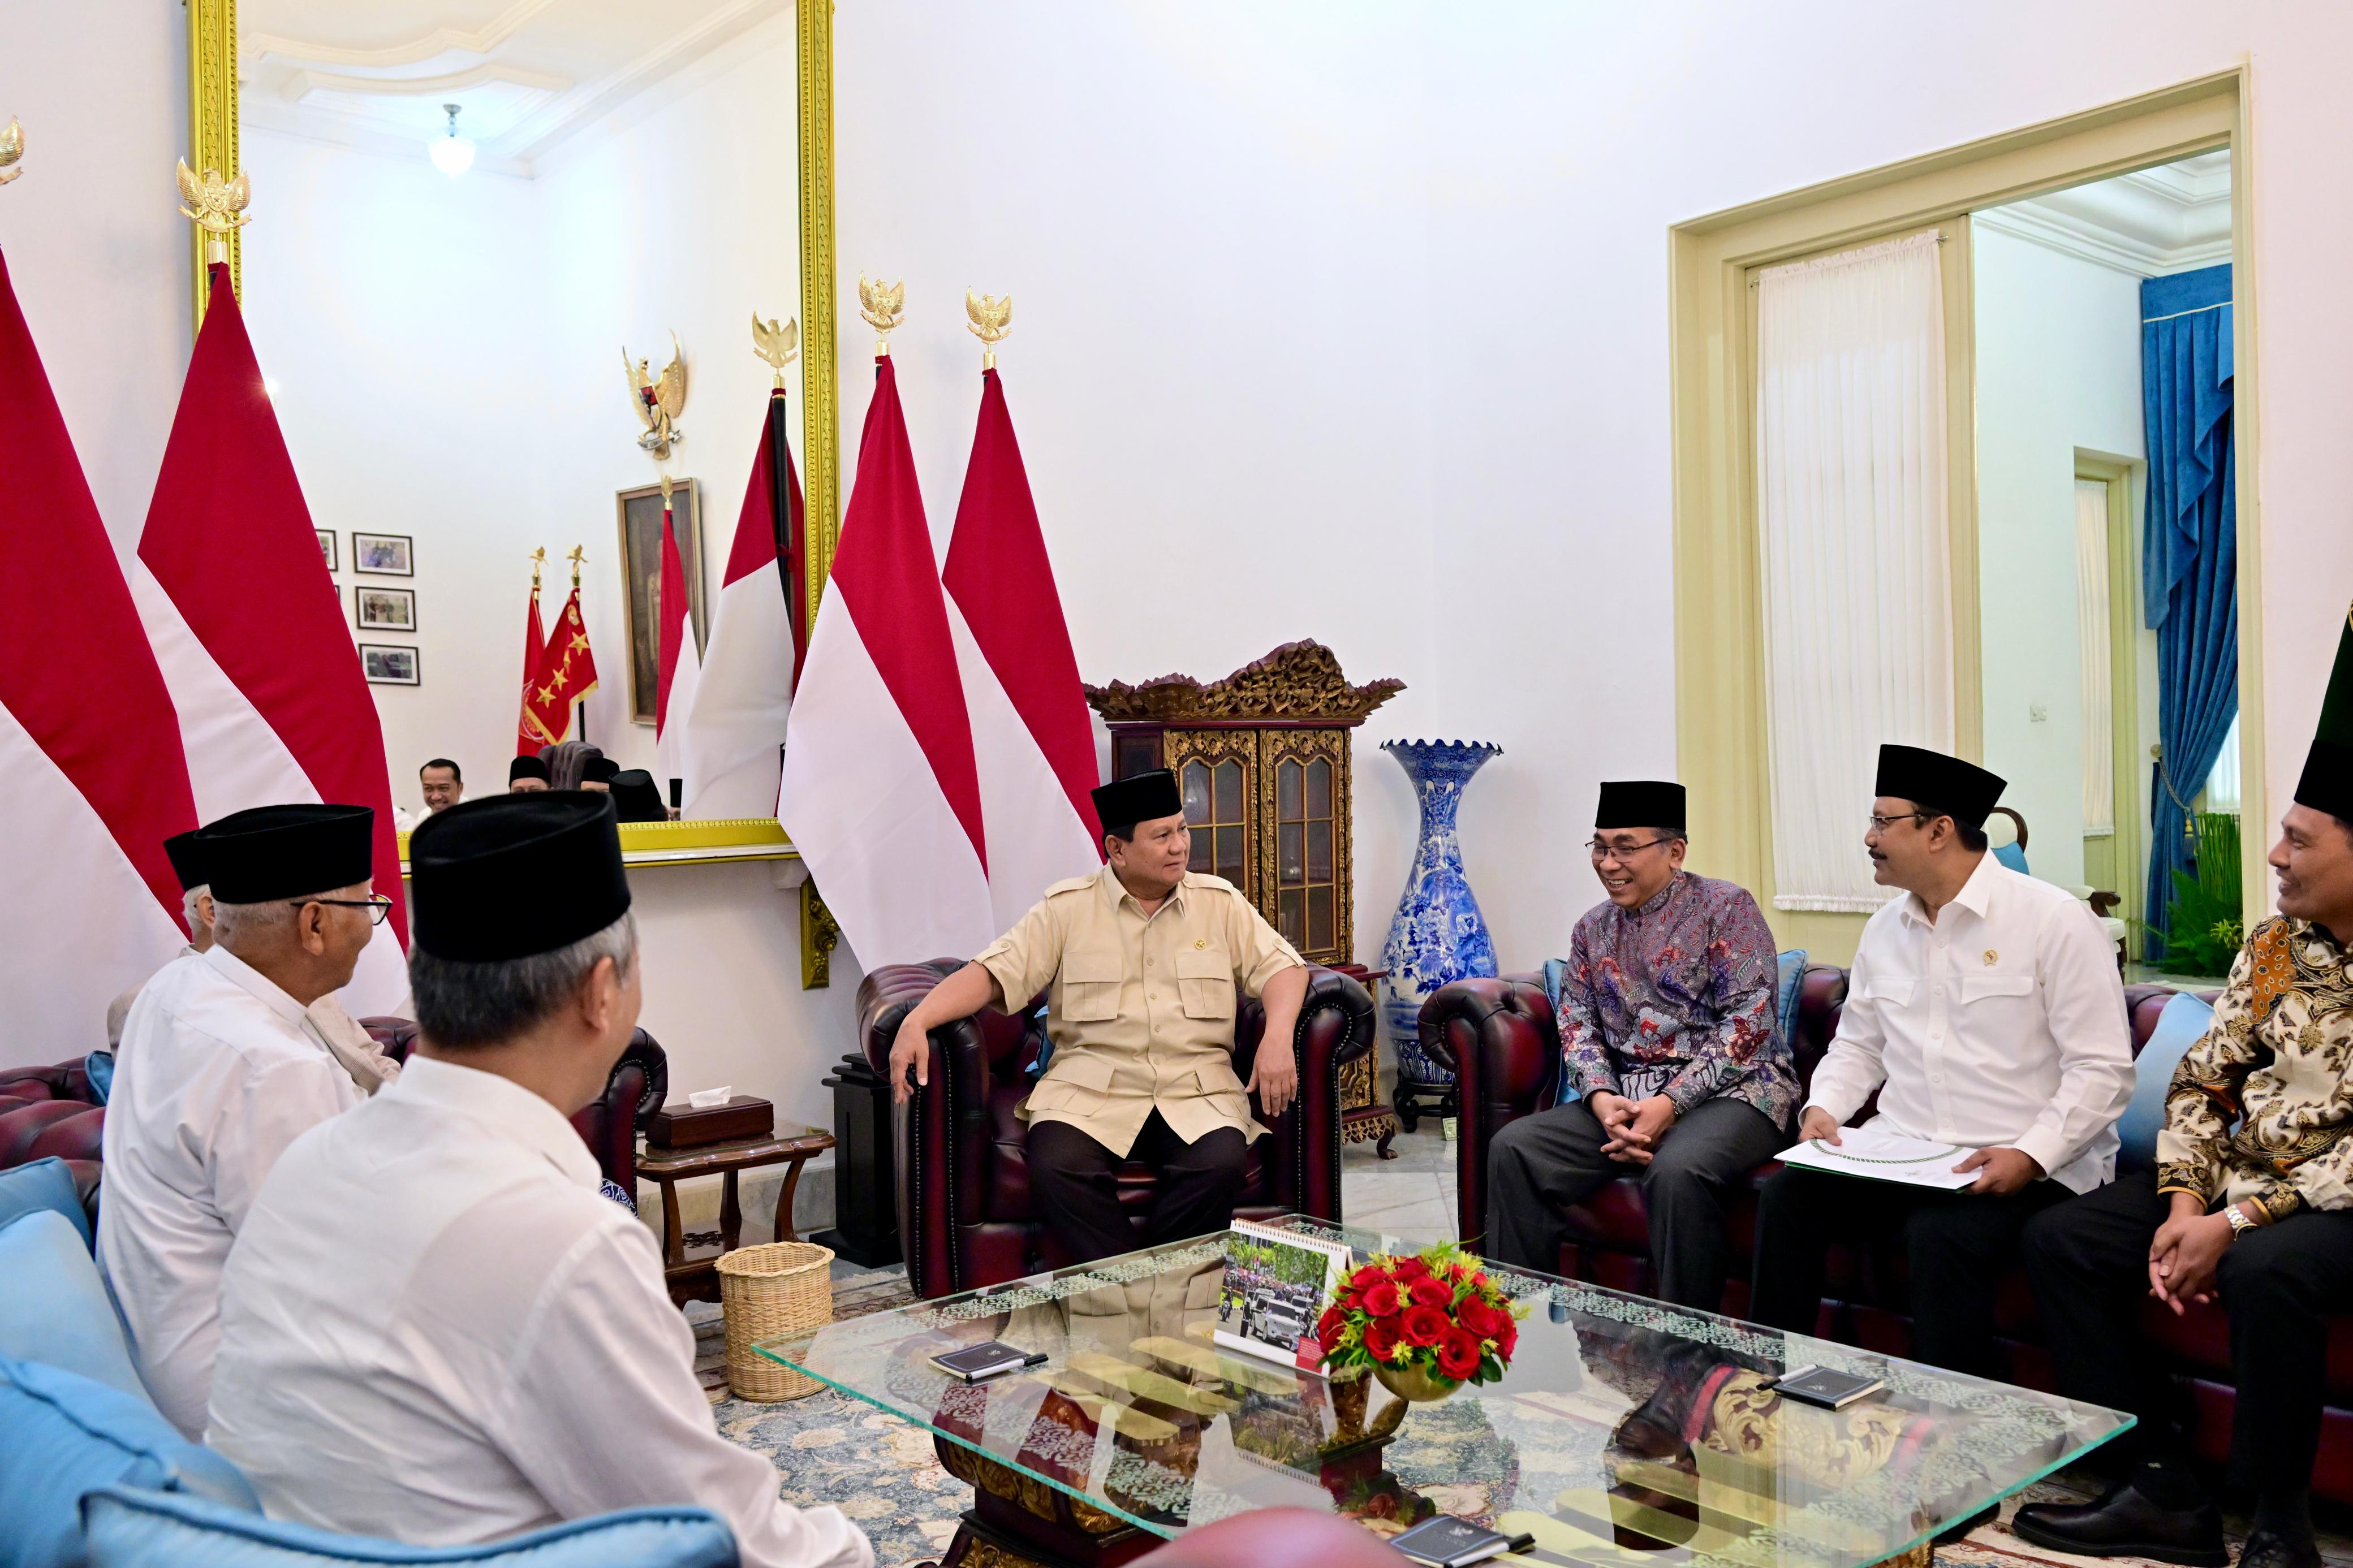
{"type": "Point", "coordinates": [1141, 964]}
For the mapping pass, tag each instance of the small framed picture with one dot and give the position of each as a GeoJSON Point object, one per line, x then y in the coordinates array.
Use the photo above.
{"type": "Point", "coordinates": [641, 529]}
{"type": "Point", "coordinates": [382, 554]}
{"type": "Point", "coordinates": [383, 609]}
{"type": "Point", "coordinates": [327, 546]}
{"type": "Point", "coordinates": [386, 665]}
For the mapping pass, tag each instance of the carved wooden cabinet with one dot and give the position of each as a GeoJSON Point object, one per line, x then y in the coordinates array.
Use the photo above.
{"type": "Point", "coordinates": [1261, 758]}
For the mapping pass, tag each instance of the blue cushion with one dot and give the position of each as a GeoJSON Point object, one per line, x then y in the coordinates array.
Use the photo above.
{"type": "Point", "coordinates": [153, 1530]}
{"type": "Point", "coordinates": [2012, 856]}
{"type": "Point", "coordinates": [99, 1067]}
{"type": "Point", "coordinates": [62, 1434]}
{"type": "Point", "coordinates": [1787, 980]}
{"type": "Point", "coordinates": [44, 1184]}
{"type": "Point", "coordinates": [53, 1309]}
{"type": "Point", "coordinates": [2178, 1028]}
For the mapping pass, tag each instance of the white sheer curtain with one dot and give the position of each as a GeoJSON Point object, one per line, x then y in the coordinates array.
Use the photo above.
{"type": "Point", "coordinates": [2092, 633]}
{"type": "Point", "coordinates": [1850, 470]}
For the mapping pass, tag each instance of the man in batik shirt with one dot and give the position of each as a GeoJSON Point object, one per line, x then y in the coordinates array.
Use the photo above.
{"type": "Point", "coordinates": [1673, 1064]}
{"type": "Point", "coordinates": [2252, 1201]}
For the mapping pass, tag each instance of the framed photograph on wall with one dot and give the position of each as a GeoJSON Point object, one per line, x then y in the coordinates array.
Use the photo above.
{"type": "Point", "coordinates": [382, 554]}
{"type": "Point", "coordinates": [375, 609]}
{"type": "Point", "coordinates": [642, 520]}
{"type": "Point", "coordinates": [385, 664]}
{"type": "Point", "coordinates": [327, 546]}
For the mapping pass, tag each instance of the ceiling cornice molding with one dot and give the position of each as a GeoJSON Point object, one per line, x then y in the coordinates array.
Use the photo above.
{"type": "Point", "coordinates": [254, 47]}
{"type": "Point", "coordinates": [303, 82]}
{"type": "Point", "coordinates": [541, 132]}
{"type": "Point", "coordinates": [2070, 234]}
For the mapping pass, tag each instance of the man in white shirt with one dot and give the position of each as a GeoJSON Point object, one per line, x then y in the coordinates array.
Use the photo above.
{"type": "Point", "coordinates": [434, 1326]}
{"type": "Point", "coordinates": [1985, 1008]}
{"type": "Point", "coordinates": [219, 1067]}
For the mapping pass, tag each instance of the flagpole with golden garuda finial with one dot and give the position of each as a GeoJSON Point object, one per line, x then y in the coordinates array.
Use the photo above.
{"type": "Point", "coordinates": [12, 147]}
{"type": "Point", "coordinates": [992, 321]}
{"type": "Point", "coordinates": [779, 345]}
{"type": "Point", "coordinates": [883, 305]}
{"type": "Point", "coordinates": [580, 709]}
{"type": "Point", "coordinates": [217, 206]}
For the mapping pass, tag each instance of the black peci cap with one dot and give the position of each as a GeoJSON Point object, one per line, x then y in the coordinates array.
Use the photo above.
{"type": "Point", "coordinates": [1142, 797]}
{"type": "Point", "coordinates": [286, 851]}
{"type": "Point", "coordinates": [526, 768]}
{"type": "Point", "coordinates": [511, 875]}
{"type": "Point", "coordinates": [2327, 783]}
{"type": "Point", "coordinates": [603, 770]}
{"type": "Point", "coordinates": [637, 798]}
{"type": "Point", "coordinates": [1639, 803]}
{"type": "Point", "coordinates": [187, 859]}
{"type": "Point", "coordinates": [1963, 791]}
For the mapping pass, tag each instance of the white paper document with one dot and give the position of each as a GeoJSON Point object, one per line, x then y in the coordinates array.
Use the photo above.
{"type": "Point", "coordinates": [1884, 1156]}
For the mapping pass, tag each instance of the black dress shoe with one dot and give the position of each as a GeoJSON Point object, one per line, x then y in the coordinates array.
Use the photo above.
{"type": "Point", "coordinates": [2265, 1550]}
{"type": "Point", "coordinates": [2126, 1524]}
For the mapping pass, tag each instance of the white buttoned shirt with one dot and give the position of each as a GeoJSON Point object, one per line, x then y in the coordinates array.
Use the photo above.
{"type": "Point", "coordinates": [217, 1071]}
{"type": "Point", "coordinates": [2001, 1023]}
{"type": "Point", "coordinates": [435, 1328]}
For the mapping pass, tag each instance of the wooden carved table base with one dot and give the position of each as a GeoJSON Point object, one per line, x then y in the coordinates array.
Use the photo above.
{"type": "Point", "coordinates": [1018, 1522]}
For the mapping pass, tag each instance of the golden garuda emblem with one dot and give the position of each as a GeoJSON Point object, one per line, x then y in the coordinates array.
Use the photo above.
{"type": "Point", "coordinates": [658, 402]}
{"type": "Point", "coordinates": [12, 147]}
{"type": "Point", "coordinates": [218, 206]}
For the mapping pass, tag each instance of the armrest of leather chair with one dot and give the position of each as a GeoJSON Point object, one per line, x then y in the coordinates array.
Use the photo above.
{"type": "Point", "coordinates": [1499, 1039]}
{"type": "Point", "coordinates": [925, 1174]}
{"type": "Point", "coordinates": [1336, 1027]}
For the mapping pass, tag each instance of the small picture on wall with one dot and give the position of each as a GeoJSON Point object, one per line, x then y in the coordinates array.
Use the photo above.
{"type": "Point", "coordinates": [327, 546]}
{"type": "Point", "coordinates": [385, 664]}
{"type": "Point", "coordinates": [641, 525]}
{"type": "Point", "coordinates": [382, 554]}
{"type": "Point", "coordinates": [383, 609]}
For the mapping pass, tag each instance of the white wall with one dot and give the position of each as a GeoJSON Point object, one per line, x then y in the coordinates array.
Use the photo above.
{"type": "Point", "coordinates": [2058, 368]}
{"type": "Point", "coordinates": [1368, 303]}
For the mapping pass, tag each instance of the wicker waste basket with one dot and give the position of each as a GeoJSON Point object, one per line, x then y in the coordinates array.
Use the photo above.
{"type": "Point", "coordinates": [779, 1289]}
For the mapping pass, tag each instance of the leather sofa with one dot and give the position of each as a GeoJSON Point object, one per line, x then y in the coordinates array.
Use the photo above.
{"type": "Point", "coordinates": [54, 1109]}
{"type": "Point", "coordinates": [960, 1154]}
{"type": "Point", "coordinates": [1499, 1036]}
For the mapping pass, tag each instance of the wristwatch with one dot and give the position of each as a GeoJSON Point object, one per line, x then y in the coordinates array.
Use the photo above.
{"type": "Point", "coordinates": [2240, 1223]}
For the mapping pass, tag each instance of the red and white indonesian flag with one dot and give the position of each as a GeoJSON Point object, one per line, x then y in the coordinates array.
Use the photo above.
{"type": "Point", "coordinates": [87, 742]}
{"type": "Point", "coordinates": [249, 629]}
{"type": "Point", "coordinates": [880, 792]}
{"type": "Point", "coordinates": [745, 690]}
{"type": "Point", "coordinates": [1032, 737]}
{"type": "Point", "coordinates": [680, 662]}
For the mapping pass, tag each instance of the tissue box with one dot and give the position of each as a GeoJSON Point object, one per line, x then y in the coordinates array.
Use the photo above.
{"type": "Point", "coordinates": [679, 1125]}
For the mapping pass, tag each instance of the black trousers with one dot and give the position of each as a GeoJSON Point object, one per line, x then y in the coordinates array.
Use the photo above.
{"type": "Point", "coordinates": [1955, 1246]}
{"type": "Point", "coordinates": [1075, 1183]}
{"type": "Point", "coordinates": [1540, 1163]}
{"type": "Point", "coordinates": [2089, 1261]}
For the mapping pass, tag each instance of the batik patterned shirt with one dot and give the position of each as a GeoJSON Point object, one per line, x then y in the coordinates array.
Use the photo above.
{"type": "Point", "coordinates": [1676, 997]}
{"type": "Point", "coordinates": [2261, 1105]}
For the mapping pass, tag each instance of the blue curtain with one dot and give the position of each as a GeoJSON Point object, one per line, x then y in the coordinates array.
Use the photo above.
{"type": "Point", "coordinates": [2190, 549]}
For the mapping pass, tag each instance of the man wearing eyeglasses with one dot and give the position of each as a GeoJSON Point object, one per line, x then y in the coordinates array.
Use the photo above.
{"type": "Point", "coordinates": [226, 1057]}
{"type": "Point", "coordinates": [1672, 1066]}
{"type": "Point", "coordinates": [1985, 1010]}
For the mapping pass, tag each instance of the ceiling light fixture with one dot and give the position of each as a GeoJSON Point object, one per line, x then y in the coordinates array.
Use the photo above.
{"type": "Point", "coordinates": [453, 154]}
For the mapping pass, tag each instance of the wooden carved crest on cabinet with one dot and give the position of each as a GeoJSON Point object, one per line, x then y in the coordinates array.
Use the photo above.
{"type": "Point", "coordinates": [1263, 760]}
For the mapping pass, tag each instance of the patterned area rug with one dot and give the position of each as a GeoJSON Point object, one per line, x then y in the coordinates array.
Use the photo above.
{"type": "Point", "coordinates": [882, 1471]}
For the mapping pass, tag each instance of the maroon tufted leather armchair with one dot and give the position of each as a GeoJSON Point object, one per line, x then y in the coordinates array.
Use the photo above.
{"type": "Point", "coordinates": [48, 1110]}
{"type": "Point", "coordinates": [609, 1123]}
{"type": "Point", "coordinates": [1499, 1035]}
{"type": "Point", "coordinates": [964, 1215]}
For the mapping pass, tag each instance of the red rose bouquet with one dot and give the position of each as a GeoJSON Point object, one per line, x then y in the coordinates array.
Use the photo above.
{"type": "Point", "coordinates": [1435, 1313]}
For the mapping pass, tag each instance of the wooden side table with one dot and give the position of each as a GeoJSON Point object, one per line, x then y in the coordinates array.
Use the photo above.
{"type": "Point", "coordinates": [689, 1258]}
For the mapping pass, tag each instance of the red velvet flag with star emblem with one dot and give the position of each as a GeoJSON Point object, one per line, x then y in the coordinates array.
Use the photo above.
{"type": "Point", "coordinates": [567, 672]}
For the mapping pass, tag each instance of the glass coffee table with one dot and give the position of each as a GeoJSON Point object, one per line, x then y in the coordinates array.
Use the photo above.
{"type": "Point", "coordinates": [1625, 1431]}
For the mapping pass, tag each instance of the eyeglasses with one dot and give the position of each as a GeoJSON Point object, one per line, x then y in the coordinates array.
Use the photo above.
{"type": "Point", "coordinates": [378, 905]}
{"type": "Point", "coordinates": [1600, 851]}
{"type": "Point", "coordinates": [1880, 824]}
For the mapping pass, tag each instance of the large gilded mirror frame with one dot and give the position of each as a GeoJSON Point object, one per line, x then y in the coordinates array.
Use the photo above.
{"type": "Point", "coordinates": [213, 144]}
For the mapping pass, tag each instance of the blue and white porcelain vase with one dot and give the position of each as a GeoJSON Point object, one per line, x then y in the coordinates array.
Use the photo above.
{"type": "Point", "coordinates": [1439, 936]}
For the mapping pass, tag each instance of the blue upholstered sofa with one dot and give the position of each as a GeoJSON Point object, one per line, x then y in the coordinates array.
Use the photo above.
{"type": "Point", "coordinates": [90, 1473]}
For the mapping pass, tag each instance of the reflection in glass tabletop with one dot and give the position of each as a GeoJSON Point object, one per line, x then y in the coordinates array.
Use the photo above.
{"type": "Point", "coordinates": [1624, 1431]}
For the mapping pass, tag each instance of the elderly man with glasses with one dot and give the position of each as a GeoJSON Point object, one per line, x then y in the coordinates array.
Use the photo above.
{"type": "Point", "coordinates": [226, 1056]}
{"type": "Point", "coordinates": [1672, 1066]}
